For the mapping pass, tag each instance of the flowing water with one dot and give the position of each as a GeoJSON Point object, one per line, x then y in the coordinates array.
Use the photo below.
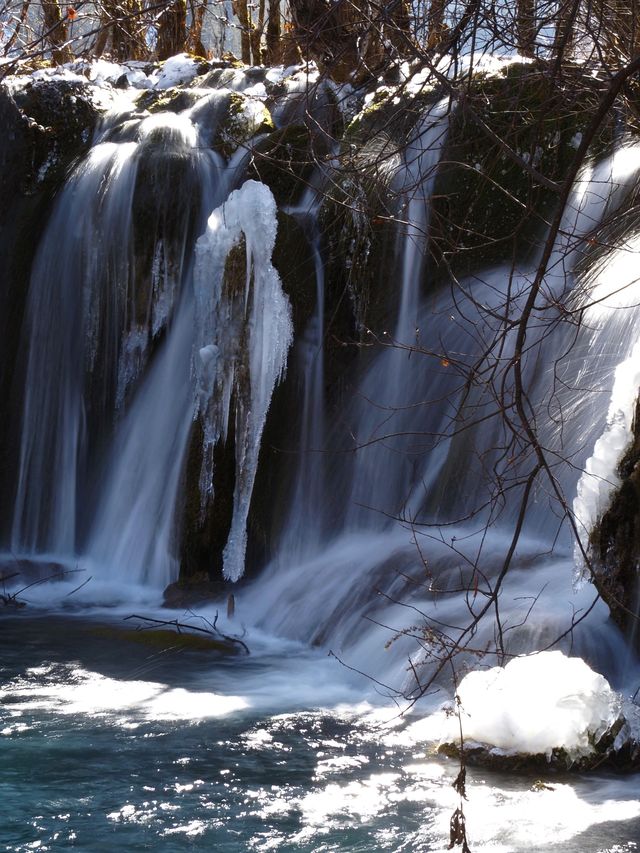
{"type": "Point", "coordinates": [108, 741]}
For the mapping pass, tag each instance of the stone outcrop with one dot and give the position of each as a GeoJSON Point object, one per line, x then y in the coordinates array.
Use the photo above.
{"type": "Point", "coordinates": [615, 542]}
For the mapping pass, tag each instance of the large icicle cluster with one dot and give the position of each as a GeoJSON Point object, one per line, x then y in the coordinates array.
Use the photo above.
{"type": "Point", "coordinates": [243, 334]}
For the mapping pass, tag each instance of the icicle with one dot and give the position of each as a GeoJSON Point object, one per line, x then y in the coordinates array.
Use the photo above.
{"type": "Point", "coordinates": [243, 335]}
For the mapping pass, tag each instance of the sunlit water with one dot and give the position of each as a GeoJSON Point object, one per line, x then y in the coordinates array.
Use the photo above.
{"type": "Point", "coordinates": [109, 744]}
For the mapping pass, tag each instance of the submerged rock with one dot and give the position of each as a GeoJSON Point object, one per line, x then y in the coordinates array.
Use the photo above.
{"type": "Point", "coordinates": [617, 750]}
{"type": "Point", "coordinates": [193, 590]}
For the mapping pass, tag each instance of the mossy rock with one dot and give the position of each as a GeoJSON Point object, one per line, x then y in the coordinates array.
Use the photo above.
{"type": "Point", "coordinates": [246, 118]}
{"type": "Point", "coordinates": [225, 76]}
{"type": "Point", "coordinates": [487, 208]}
{"type": "Point", "coordinates": [358, 224]}
{"type": "Point", "coordinates": [197, 588]}
{"type": "Point", "coordinates": [46, 125]}
{"type": "Point", "coordinates": [163, 219]}
{"type": "Point", "coordinates": [313, 104]}
{"type": "Point", "coordinates": [392, 112]}
{"type": "Point", "coordinates": [206, 521]}
{"type": "Point", "coordinates": [284, 161]}
{"type": "Point", "coordinates": [293, 259]}
{"type": "Point", "coordinates": [173, 100]}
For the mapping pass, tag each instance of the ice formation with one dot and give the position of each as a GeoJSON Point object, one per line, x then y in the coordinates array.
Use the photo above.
{"type": "Point", "coordinates": [243, 335]}
{"type": "Point", "coordinates": [617, 288]}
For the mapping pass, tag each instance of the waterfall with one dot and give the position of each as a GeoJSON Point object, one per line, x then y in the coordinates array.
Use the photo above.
{"type": "Point", "coordinates": [384, 413]}
{"type": "Point", "coordinates": [124, 313]}
{"type": "Point", "coordinates": [305, 524]}
{"type": "Point", "coordinates": [70, 268]}
{"type": "Point", "coordinates": [94, 305]}
{"type": "Point", "coordinates": [375, 579]}
{"type": "Point", "coordinates": [132, 532]}
{"type": "Point", "coordinates": [155, 315]}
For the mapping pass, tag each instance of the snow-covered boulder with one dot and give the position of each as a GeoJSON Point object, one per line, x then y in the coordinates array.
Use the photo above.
{"type": "Point", "coordinates": [544, 709]}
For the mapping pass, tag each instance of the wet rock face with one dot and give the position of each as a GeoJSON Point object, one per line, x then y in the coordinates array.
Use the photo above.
{"type": "Point", "coordinates": [615, 542]}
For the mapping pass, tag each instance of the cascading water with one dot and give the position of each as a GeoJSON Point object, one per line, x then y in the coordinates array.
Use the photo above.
{"type": "Point", "coordinates": [384, 416]}
{"type": "Point", "coordinates": [91, 291]}
{"type": "Point", "coordinates": [451, 426]}
{"type": "Point", "coordinates": [217, 347]}
{"type": "Point", "coordinates": [145, 315]}
{"type": "Point", "coordinates": [305, 525]}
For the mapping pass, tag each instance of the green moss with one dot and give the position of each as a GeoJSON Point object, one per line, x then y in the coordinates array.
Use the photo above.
{"type": "Point", "coordinates": [391, 111]}
{"type": "Point", "coordinates": [173, 100]}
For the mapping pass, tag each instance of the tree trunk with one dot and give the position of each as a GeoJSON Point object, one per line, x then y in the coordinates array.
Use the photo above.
{"type": "Point", "coordinates": [526, 28]}
{"type": "Point", "coordinates": [274, 52]}
{"type": "Point", "coordinates": [241, 12]}
{"type": "Point", "coordinates": [398, 31]}
{"type": "Point", "coordinates": [565, 26]}
{"type": "Point", "coordinates": [172, 29]}
{"type": "Point", "coordinates": [120, 25]}
{"type": "Point", "coordinates": [56, 31]}
{"type": "Point", "coordinates": [18, 26]}
{"type": "Point", "coordinates": [436, 27]}
{"type": "Point", "coordinates": [194, 39]}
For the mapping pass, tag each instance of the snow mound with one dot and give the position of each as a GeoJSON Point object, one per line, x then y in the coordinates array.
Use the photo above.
{"type": "Point", "coordinates": [534, 705]}
{"type": "Point", "coordinates": [538, 703]}
{"type": "Point", "coordinates": [175, 71]}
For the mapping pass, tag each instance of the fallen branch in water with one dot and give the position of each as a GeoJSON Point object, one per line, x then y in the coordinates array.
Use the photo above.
{"type": "Point", "coordinates": [181, 627]}
{"type": "Point", "coordinates": [10, 599]}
